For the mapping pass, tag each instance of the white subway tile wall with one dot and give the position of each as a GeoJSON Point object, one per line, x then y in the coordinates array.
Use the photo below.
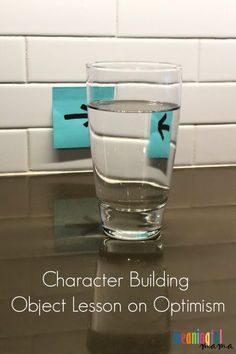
{"type": "Point", "coordinates": [208, 103]}
{"type": "Point", "coordinates": [214, 143]}
{"type": "Point", "coordinates": [24, 106]}
{"type": "Point", "coordinates": [13, 147]}
{"type": "Point", "coordinates": [12, 59]}
{"type": "Point", "coordinates": [64, 59]}
{"type": "Point", "coordinates": [47, 44]}
{"type": "Point", "coordinates": [64, 17]}
{"type": "Point", "coordinates": [43, 157]}
{"type": "Point", "coordinates": [185, 146]}
{"type": "Point", "coordinates": [27, 106]}
{"type": "Point", "coordinates": [217, 60]}
{"type": "Point", "coordinates": [180, 18]}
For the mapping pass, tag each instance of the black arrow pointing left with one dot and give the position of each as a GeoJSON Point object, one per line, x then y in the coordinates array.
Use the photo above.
{"type": "Point", "coordinates": [162, 126]}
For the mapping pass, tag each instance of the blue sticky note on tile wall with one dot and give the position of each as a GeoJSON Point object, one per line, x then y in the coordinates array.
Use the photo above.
{"type": "Point", "coordinates": [160, 135]}
{"type": "Point", "coordinates": [70, 118]}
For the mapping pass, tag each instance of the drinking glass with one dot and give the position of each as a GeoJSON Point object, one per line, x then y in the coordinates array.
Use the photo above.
{"type": "Point", "coordinates": [133, 110]}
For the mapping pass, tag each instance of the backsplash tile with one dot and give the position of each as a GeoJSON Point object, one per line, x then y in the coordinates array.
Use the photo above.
{"type": "Point", "coordinates": [64, 59]}
{"type": "Point", "coordinates": [217, 60]}
{"type": "Point", "coordinates": [25, 106]}
{"type": "Point", "coordinates": [215, 144]}
{"type": "Point", "coordinates": [185, 146]}
{"type": "Point", "coordinates": [13, 147]}
{"type": "Point", "coordinates": [182, 18]}
{"type": "Point", "coordinates": [44, 158]}
{"type": "Point", "coordinates": [12, 59]}
{"type": "Point", "coordinates": [65, 17]}
{"type": "Point", "coordinates": [30, 105]}
{"type": "Point", "coordinates": [208, 103]}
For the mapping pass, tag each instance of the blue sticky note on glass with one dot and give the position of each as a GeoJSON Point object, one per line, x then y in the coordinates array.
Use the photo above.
{"type": "Point", "coordinates": [70, 116]}
{"type": "Point", "coordinates": [160, 135]}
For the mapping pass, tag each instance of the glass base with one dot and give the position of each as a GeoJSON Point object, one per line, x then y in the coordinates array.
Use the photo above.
{"type": "Point", "coordinates": [129, 224]}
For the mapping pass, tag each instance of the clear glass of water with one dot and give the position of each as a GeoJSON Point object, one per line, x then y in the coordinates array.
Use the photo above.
{"type": "Point", "coordinates": [133, 110]}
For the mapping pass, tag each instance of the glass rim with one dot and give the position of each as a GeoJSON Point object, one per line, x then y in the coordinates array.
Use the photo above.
{"type": "Point", "coordinates": [134, 66]}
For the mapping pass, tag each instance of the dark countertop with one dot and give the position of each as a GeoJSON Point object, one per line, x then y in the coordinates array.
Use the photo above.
{"type": "Point", "coordinates": [51, 223]}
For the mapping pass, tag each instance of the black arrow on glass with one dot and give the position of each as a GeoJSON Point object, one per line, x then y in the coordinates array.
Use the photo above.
{"type": "Point", "coordinates": [78, 115]}
{"type": "Point", "coordinates": [162, 126]}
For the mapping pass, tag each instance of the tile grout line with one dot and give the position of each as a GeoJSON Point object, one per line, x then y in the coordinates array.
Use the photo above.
{"type": "Point", "coordinates": [198, 60]}
{"type": "Point", "coordinates": [190, 124]}
{"type": "Point", "coordinates": [185, 82]}
{"type": "Point", "coordinates": [26, 60]}
{"type": "Point", "coordinates": [27, 76]}
{"type": "Point", "coordinates": [117, 19]}
{"type": "Point", "coordinates": [71, 35]}
{"type": "Point", "coordinates": [52, 35]}
{"type": "Point", "coordinates": [74, 83]}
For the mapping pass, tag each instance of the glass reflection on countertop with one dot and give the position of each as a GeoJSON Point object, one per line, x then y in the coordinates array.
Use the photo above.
{"type": "Point", "coordinates": [76, 225]}
{"type": "Point", "coordinates": [135, 326]}
{"type": "Point", "coordinates": [77, 229]}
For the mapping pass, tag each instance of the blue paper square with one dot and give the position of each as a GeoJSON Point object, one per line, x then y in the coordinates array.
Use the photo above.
{"type": "Point", "coordinates": [70, 118]}
{"type": "Point", "coordinates": [160, 135]}
{"type": "Point", "coordinates": [68, 131]}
